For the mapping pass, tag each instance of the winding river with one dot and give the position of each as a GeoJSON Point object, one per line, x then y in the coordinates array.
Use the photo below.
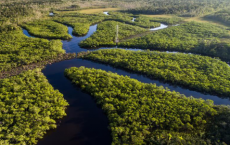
{"type": "Point", "coordinates": [86, 124]}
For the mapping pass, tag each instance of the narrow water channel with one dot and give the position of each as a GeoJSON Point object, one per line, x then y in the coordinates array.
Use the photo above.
{"type": "Point", "coordinates": [162, 26]}
{"type": "Point", "coordinates": [86, 124]}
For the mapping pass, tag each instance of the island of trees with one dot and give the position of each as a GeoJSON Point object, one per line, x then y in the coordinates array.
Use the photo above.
{"type": "Point", "coordinates": [201, 38]}
{"type": "Point", "coordinates": [29, 107]}
{"type": "Point", "coordinates": [47, 29]}
{"type": "Point", "coordinates": [197, 72]}
{"type": "Point", "coordinates": [221, 16]}
{"type": "Point", "coordinates": [106, 34]}
{"type": "Point", "coordinates": [138, 113]}
{"type": "Point", "coordinates": [142, 113]}
{"type": "Point", "coordinates": [17, 49]}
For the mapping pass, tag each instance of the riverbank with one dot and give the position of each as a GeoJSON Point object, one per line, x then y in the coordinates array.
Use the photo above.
{"type": "Point", "coordinates": [186, 70]}
{"type": "Point", "coordinates": [77, 127]}
{"type": "Point", "coordinates": [42, 64]}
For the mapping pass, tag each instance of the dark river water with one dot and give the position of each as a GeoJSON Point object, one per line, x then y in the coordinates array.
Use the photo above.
{"type": "Point", "coordinates": [85, 123]}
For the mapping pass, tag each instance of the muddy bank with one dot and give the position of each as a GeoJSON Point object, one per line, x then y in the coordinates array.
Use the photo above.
{"type": "Point", "coordinates": [42, 64]}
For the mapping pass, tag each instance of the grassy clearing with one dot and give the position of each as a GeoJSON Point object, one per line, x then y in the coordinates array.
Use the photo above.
{"type": "Point", "coordinates": [93, 11]}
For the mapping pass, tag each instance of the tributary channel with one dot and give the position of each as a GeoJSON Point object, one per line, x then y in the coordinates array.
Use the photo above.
{"type": "Point", "coordinates": [85, 123]}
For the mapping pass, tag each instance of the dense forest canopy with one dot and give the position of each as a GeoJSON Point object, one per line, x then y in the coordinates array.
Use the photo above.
{"type": "Point", "coordinates": [186, 8]}
{"type": "Point", "coordinates": [106, 34]}
{"type": "Point", "coordinates": [29, 107]}
{"type": "Point", "coordinates": [16, 11]}
{"type": "Point", "coordinates": [16, 49]}
{"type": "Point", "coordinates": [201, 38]}
{"type": "Point", "coordinates": [197, 72]}
{"type": "Point", "coordinates": [47, 29]}
{"type": "Point", "coordinates": [221, 16]}
{"type": "Point", "coordinates": [139, 113]}
{"type": "Point", "coordinates": [80, 22]}
{"type": "Point", "coordinates": [142, 113]}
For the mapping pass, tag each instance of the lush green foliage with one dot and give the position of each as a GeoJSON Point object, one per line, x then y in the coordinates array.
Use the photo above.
{"type": "Point", "coordinates": [142, 113]}
{"type": "Point", "coordinates": [11, 12]}
{"type": "Point", "coordinates": [221, 16]}
{"type": "Point", "coordinates": [122, 17]}
{"type": "Point", "coordinates": [16, 49]}
{"type": "Point", "coordinates": [80, 22]}
{"type": "Point", "coordinates": [29, 107]}
{"type": "Point", "coordinates": [197, 72]}
{"type": "Point", "coordinates": [180, 7]}
{"type": "Point", "coordinates": [141, 21]}
{"type": "Point", "coordinates": [193, 37]}
{"type": "Point", "coordinates": [106, 33]}
{"type": "Point", "coordinates": [170, 21]}
{"type": "Point", "coordinates": [47, 29]}
{"type": "Point", "coordinates": [146, 22]}
{"type": "Point", "coordinates": [17, 11]}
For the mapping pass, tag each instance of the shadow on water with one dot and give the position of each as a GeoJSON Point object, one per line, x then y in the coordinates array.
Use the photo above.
{"type": "Point", "coordinates": [71, 45]}
{"type": "Point", "coordinates": [25, 32]}
{"type": "Point", "coordinates": [86, 124]}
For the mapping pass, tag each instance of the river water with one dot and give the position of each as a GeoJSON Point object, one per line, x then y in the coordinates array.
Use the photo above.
{"type": "Point", "coordinates": [86, 124]}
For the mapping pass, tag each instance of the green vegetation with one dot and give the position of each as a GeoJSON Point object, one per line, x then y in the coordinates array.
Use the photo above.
{"type": "Point", "coordinates": [197, 72]}
{"type": "Point", "coordinates": [141, 21]}
{"type": "Point", "coordinates": [146, 22]}
{"type": "Point", "coordinates": [169, 21]}
{"type": "Point", "coordinates": [122, 17]}
{"type": "Point", "coordinates": [17, 11]}
{"type": "Point", "coordinates": [192, 37]}
{"type": "Point", "coordinates": [11, 13]}
{"type": "Point", "coordinates": [106, 33]}
{"type": "Point", "coordinates": [16, 49]}
{"type": "Point", "coordinates": [221, 16]}
{"type": "Point", "coordinates": [183, 8]}
{"type": "Point", "coordinates": [142, 113]}
{"type": "Point", "coordinates": [29, 107]}
{"type": "Point", "coordinates": [47, 29]}
{"type": "Point", "coordinates": [139, 113]}
{"type": "Point", "coordinates": [80, 22]}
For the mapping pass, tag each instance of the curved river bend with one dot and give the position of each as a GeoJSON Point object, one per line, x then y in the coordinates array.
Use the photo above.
{"type": "Point", "coordinates": [86, 124]}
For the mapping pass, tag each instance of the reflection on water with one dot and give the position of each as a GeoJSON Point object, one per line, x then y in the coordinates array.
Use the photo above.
{"type": "Point", "coordinates": [133, 19]}
{"type": "Point", "coordinates": [51, 14]}
{"type": "Point", "coordinates": [162, 26]}
{"type": "Point", "coordinates": [25, 32]}
{"type": "Point", "coordinates": [106, 13]}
